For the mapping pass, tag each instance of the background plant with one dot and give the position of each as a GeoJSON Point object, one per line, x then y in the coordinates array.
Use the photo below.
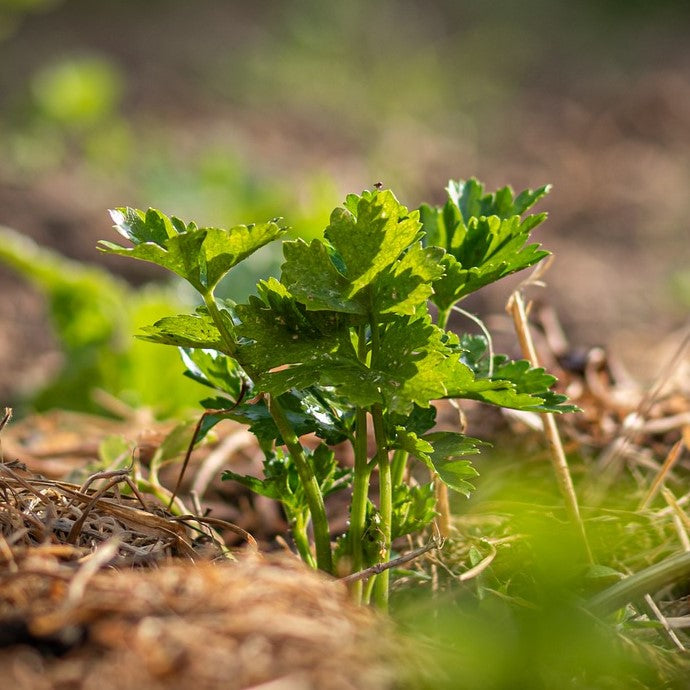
{"type": "Point", "coordinates": [345, 346]}
{"type": "Point", "coordinates": [93, 314]}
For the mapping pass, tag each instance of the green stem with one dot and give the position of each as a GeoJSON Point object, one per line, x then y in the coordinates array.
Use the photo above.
{"type": "Point", "coordinates": [398, 466]}
{"type": "Point", "coordinates": [298, 527]}
{"type": "Point", "coordinates": [368, 588]}
{"type": "Point", "coordinates": [153, 486]}
{"type": "Point", "coordinates": [360, 483]}
{"type": "Point", "coordinates": [312, 491]}
{"type": "Point", "coordinates": [443, 520]}
{"type": "Point", "coordinates": [442, 318]}
{"type": "Point", "coordinates": [360, 494]}
{"type": "Point", "coordinates": [163, 495]}
{"type": "Point", "coordinates": [385, 506]}
{"type": "Point", "coordinates": [214, 312]}
{"type": "Point", "coordinates": [385, 482]}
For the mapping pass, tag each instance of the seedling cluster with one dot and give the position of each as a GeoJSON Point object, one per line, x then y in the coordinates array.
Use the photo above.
{"type": "Point", "coordinates": [347, 346]}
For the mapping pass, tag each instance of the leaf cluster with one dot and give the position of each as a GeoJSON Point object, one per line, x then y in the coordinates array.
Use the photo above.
{"type": "Point", "coordinates": [202, 256]}
{"type": "Point", "coordinates": [347, 331]}
{"type": "Point", "coordinates": [484, 236]}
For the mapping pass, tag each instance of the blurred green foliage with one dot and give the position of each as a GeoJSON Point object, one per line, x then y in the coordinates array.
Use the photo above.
{"type": "Point", "coordinates": [680, 287]}
{"type": "Point", "coordinates": [523, 621]}
{"type": "Point", "coordinates": [375, 75]}
{"type": "Point", "coordinates": [547, 643]}
{"type": "Point", "coordinates": [71, 112]}
{"type": "Point", "coordinates": [77, 92]}
{"type": "Point", "coordinates": [12, 12]}
{"type": "Point", "coordinates": [94, 316]}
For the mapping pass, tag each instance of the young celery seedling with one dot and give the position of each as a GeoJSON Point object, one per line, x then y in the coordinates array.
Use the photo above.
{"type": "Point", "coordinates": [344, 345]}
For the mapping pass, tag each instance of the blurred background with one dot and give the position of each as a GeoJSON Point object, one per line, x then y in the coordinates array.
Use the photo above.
{"type": "Point", "coordinates": [229, 112]}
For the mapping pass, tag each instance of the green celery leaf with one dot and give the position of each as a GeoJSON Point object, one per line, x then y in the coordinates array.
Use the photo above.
{"type": "Point", "coordinates": [529, 387]}
{"type": "Point", "coordinates": [139, 227]}
{"type": "Point", "coordinates": [414, 366]}
{"type": "Point", "coordinates": [475, 353]}
{"type": "Point", "coordinates": [414, 507]}
{"type": "Point", "coordinates": [374, 243]}
{"type": "Point", "coordinates": [450, 285]}
{"type": "Point", "coordinates": [419, 365]}
{"type": "Point", "coordinates": [406, 285]}
{"type": "Point", "coordinates": [254, 484]}
{"type": "Point", "coordinates": [440, 451]}
{"type": "Point", "coordinates": [461, 383]}
{"type": "Point", "coordinates": [330, 476]}
{"type": "Point", "coordinates": [280, 482]}
{"type": "Point", "coordinates": [528, 379]}
{"type": "Point", "coordinates": [224, 249]}
{"type": "Point", "coordinates": [488, 253]}
{"type": "Point", "coordinates": [285, 345]}
{"type": "Point", "coordinates": [408, 369]}
{"type": "Point", "coordinates": [281, 475]}
{"type": "Point", "coordinates": [177, 441]}
{"type": "Point", "coordinates": [448, 447]}
{"type": "Point", "coordinates": [468, 196]}
{"type": "Point", "coordinates": [555, 403]}
{"type": "Point", "coordinates": [201, 256]}
{"type": "Point", "coordinates": [451, 444]}
{"type": "Point", "coordinates": [534, 381]}
{"type": "Point", "coordinates": [371, 237]}
{"type": "Point", "coordinates": [179, 254]}
{"type": "Point", "coordinates": [411, 359]}
{"type": "Point", "coordinates": [420, 420]}
{"type": "Point", "coordinates": [439, 223]}
{"type": "Point", "coordinates": [514, 384]}
{"type": "Point", "coordinates": [412, 443]}
{"type": "Point", "coordinates": [504, 394]}
{"type": "Point", "coordinates": [484, 235]}
{"type": "Point", "coordinates": [416, 362]}
{"type": "Point", "coordinates": [305, 410]}
{"type": "Point", "coordinates": [332, 417]}
{"type": "Point", "coordinates": [214, 369]}
{"type": "Point", "coordinates": [185, 330]}
{"type": "Point", "coordinates": [311, 276]}
{"type": "Point", "coordinates": [349, 378]}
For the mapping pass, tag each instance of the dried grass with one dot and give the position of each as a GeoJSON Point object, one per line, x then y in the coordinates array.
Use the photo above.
{"type": "Point", "coordinates": [75, 613]}
{"type": "Point", "coordinates": [179, 626]}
